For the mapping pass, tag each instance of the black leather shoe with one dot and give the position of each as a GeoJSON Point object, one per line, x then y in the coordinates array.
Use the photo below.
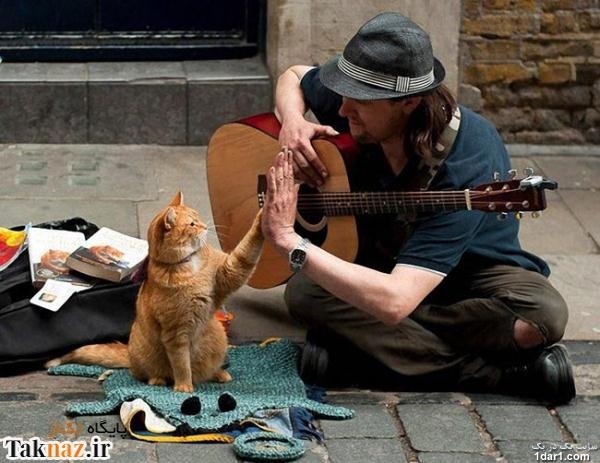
{"type": "Point", "coordinates": [553, 367]}
{"type": "Point", "coordinates": [549, 377]}
{"type": "Point", "coordinates": [314, 363]}
{"type": "Point", "coordinates": [330, 360]}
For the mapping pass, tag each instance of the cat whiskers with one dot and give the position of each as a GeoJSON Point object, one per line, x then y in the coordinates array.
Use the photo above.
{"type": "Point", "coordinates": [212, 229]}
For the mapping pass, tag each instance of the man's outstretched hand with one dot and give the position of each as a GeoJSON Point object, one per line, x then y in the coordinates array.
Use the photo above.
{"type": "Point", "coordinates": [279, 211]}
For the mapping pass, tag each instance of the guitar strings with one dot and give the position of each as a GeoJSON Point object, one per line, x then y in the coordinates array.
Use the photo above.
{"type": "Point", "coordinates": [340, 202]}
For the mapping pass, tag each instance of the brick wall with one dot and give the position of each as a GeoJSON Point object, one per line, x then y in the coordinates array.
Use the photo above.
{"type": "Point", "coordinates": [533, 68]}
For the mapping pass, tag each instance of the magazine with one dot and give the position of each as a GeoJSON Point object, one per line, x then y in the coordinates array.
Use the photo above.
{"type": "Point", "coordinates": [12, 244]}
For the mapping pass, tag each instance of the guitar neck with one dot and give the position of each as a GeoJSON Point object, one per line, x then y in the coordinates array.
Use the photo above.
{"type": "Point", "coordinates": [392, 202]}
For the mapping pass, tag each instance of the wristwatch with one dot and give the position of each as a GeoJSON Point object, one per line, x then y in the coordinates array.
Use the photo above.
{"type": "Point", "coordinates": [297, 256]}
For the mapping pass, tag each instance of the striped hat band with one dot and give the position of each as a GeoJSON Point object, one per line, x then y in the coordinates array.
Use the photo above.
{"type": "Point", "coordinates": [399, 84]}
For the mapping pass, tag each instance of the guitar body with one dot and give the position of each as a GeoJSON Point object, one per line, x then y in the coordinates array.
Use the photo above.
{"type": "Point", "coordinates": [241, 151]}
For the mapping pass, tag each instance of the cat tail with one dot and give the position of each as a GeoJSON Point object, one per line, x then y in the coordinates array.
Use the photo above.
{"type": "Point", "coordinates": [113, 355]}
{"type": "Point", "coordinates": [240, 263]}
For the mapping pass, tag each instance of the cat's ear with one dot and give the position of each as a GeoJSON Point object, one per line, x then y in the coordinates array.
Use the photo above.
{"type": "Point", "coordinates": [170, 218]}
{"type": "Point", "coordinates": [177, 200]}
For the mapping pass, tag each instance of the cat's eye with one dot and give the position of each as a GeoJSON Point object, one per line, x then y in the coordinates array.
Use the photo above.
{"type": "Point", "coordinates": [193, 224]}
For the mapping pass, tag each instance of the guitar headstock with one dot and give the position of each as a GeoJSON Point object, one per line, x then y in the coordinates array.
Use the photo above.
{"type": "Point", "coordinates": [514, 195]}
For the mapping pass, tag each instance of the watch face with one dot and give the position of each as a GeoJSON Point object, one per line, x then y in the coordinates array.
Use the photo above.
{"type": "Point", "coordinates": [298, 256]}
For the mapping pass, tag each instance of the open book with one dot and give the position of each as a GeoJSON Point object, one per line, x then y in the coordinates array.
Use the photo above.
{"type": "Point", "coordinates": [109, 255]}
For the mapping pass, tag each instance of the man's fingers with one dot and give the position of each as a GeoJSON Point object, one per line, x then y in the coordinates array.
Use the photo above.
{"type": "Point", "coordinates": [287, 168]}
{"type": "Point", "coordinates": [308, 173]}
{"type": "Point", "coordinates": [272, 185]}
{"type": "Point", "coordinates": [289, 171]}
{"type": "Point", "coordinates": [315, 163]}
{"type": "Point", "coordinates": [299, 175]}
{"type": "Point", "coordinates": [279, 168]}
{"type": "Point", "coordinates": [326, 130]}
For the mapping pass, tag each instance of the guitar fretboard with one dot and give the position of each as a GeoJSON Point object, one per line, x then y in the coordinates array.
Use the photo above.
{"type": "Point", "coordinates": [393, 202]}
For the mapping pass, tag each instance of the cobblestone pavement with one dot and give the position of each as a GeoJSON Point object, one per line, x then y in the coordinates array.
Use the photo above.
{"type": "Point", "coordinates": [123, 186]}
{"type": "Point", "coordinates": [388, 427]}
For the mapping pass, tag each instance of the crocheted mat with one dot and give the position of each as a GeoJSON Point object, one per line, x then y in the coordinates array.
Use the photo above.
{"type": "Point", "coordinates": [264, 376]}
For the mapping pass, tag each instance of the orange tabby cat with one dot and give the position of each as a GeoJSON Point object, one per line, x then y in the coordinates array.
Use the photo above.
{"type": "Point", "coordinates": [175, 336]}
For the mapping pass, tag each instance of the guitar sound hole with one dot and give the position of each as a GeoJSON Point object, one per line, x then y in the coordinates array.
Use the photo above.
{"type": "Point", "coordinates": [312, 223]}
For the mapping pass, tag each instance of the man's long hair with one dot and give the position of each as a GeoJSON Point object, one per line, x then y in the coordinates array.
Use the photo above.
{"type": "Point", "coordinates": [428, 121]}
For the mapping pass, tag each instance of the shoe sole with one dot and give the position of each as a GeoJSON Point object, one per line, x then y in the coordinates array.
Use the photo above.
{"type": "Point", "coordinates": [566, 371]}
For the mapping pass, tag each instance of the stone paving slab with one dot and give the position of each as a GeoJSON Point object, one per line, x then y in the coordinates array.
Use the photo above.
{"type": "Point", "coordinates": [521, 451]}
{"type": "Point", "coordinates": [35, 419]}
{"type": "Point", "coordinates": [585, 206]}
{"type": "Point", "coordinates": [572, 173]}
{"type": "Point", "coordinates": [432, 398]}
{"type": "Point", "coordinates": [59, 171]}
{"type": "Point", "coordinates": [583, 421]}
{"type": "Point", "coordinates": [17, 396]}
{"type": "Point", "coordinates": [365, 450]}
{"type": "Point", "coordinates": [519, 422]}
{"type": "Point", "coordinates": [587, 379]}
{"type": "Point", "coordinates": [87, 396]}
{"type": "Point", "coordinates": [42, 383]}
{"type": "Point", "coordinates": [188, 453]}
{"type": "Point", "coordinates": [583, 352]}
{"type": "Point", "coordinates": [357, 396]}
{"type": "Point", "coordinates": [556, 231]}
{"type": "Point", "coordinates": [499, 399]}
{"type": "Point", "coordinates": [433, 427]}
{"type": "Point", "coordinates": [118, 215]}
{"type": "Point", "coordinates": [313, 453]}
{"type": "Point", "coordinates": [576, 278]}
{"type": "Point", "coordinates": [370, 421]}
{"type": "Point", "coordinates": [126, 454]}
{"type": "Point", "coordinates": [458, 457]}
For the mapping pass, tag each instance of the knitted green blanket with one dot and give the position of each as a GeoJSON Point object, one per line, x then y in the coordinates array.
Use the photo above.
{"type": "Point", "coordinates": [263, 377]}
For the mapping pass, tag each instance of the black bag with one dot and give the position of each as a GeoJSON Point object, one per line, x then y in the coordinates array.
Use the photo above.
{"type": "Point", "coordinates": [31, 335]}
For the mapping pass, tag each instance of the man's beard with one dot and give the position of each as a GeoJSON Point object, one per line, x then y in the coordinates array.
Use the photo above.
{"type": "Point", "coordinates": [363, 138]}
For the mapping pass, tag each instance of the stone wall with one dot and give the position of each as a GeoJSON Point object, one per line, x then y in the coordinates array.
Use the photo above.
{"type": "Point", "coordinates": [533, 68]}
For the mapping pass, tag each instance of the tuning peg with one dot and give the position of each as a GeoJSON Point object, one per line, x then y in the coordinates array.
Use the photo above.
{"type": "Point", "coordinates": [528, 171]}
{"type": "Point", "coordinates": [502, 216]}
{"type": "Point", "coordinates": [496, 176]}
{"type": "Point", "coordinates": [536, 214]}
{"type": "Point", "coordinates": [512, 173]}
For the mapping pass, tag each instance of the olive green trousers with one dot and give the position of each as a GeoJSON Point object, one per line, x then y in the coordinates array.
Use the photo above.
{"type": "Point", "coordinates": [466, 323]}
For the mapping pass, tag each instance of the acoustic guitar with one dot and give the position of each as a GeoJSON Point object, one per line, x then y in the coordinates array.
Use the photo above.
{"type": "Point", "coordinates": [240, 154]}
